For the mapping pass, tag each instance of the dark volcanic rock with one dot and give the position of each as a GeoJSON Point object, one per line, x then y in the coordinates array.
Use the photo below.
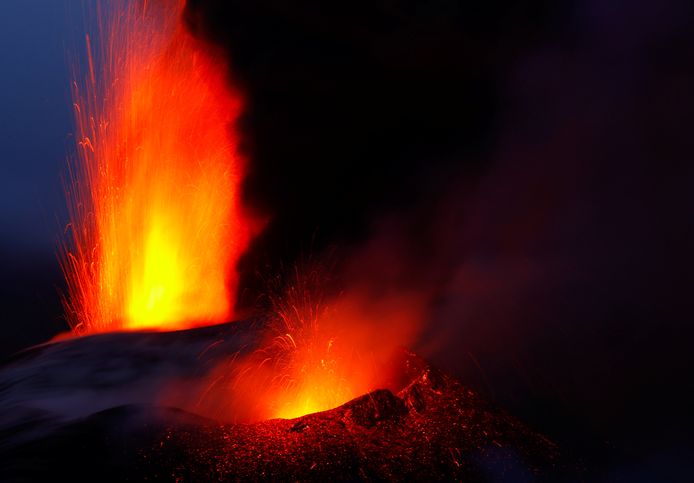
{"type": "Point", "coordinates": [432, 429]}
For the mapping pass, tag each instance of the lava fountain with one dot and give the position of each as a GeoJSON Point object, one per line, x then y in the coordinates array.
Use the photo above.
{"type": "Point", "coordinates": [156, 224]}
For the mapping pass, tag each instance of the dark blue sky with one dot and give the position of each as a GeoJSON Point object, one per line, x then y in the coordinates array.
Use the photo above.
{"type": "Point", "coordinates": [35, 121]}
{"type": "Point", "coordinates": [37, 37]}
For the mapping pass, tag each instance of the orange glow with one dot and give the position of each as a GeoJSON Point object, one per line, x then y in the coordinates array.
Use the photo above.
{"type": "Point", "coordinates": [318, 370]}
{"type": "Point", "coordinates": [337, 352]}
{"type": "Point", "coordinates": [318, 354]}
{"type": "Point", "coordinates": [324, 355]}
{"type": "Point", "coordinates": [156, 222]}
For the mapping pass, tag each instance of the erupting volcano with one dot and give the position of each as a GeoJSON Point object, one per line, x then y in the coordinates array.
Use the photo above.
{"type": "Point", "coordinates": [318, 383]}
{"type": "Point", "coordinates": [156, 222]}
{"type": "Point", "coordinates": [345, 240]}
{"type": "Point", "coordinates": [157, 225]}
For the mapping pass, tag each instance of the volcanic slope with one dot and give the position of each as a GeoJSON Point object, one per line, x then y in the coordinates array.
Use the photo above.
{"type": "Point", "coordinates": [56, 423]}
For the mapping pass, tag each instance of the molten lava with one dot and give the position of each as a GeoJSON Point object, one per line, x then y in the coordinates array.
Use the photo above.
{"type": "Point", "coordinates": [332, 352]}
{"type": "Point", "coordinates": [317, 366]}
{"type": "Point", "coordinates": [316, 352]}
{"type": "Point", "coordinates": [156, 222]}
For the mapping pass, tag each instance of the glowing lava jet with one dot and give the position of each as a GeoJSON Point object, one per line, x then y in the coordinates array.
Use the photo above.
{"type": "Point", "coordinates": [156, 223]}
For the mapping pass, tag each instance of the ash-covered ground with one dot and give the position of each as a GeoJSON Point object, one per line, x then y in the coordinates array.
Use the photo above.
{"type": "Point", "coordinates": [92, 409]}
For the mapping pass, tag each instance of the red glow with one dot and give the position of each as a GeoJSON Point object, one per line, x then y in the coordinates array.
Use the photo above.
{"type": "Point", "coordinates": [156, 223]}
{"type": "Point", "coordinates": [331, 352]}
{"type": "Point", "coordinates": [318, 353]}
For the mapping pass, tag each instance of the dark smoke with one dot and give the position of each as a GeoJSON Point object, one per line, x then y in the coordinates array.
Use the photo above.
{"type": "Point", "coordinates": [527, 167]}
{"type": "Point", "coordinates": [355, 107]}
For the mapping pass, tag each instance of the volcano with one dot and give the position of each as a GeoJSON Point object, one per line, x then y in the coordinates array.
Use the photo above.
{"type": "Point", "coordinates": [147, 387]}
{"type": "Point", "coordinates": [90, 408]}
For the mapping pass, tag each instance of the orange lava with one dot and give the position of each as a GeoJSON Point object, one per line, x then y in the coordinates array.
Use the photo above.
{"type": "Point", "coordinates": [156, 222]}
{"type": "Point", "coordinates": [325, 356]}
{"type": "Point", "coordinates": [339, 352]}
{"type": "Point", "coordinates": [317, 354]}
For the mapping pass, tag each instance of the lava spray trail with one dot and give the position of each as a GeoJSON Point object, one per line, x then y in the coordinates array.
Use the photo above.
{"type": "Point", "coordinates": [156, 223]}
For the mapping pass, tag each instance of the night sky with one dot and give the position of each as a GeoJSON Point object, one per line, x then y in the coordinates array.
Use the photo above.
{"type": "Point", "coordinates": [35, 139]}
{"type": "Point", "coordinates": [529, 166]}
